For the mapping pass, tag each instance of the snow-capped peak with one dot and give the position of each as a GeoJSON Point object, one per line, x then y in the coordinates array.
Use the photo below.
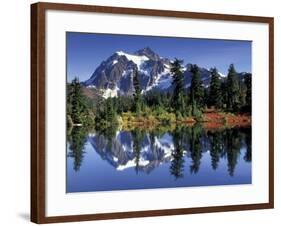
{"type": "Point", "coordinates": [138, 60]}
{"type": "Point", "coordinates": [222, 75]}
{"type": "Point", "coordinates": [114, 76]}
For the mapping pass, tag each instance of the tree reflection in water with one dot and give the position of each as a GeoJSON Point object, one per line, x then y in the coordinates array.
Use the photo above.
{"type": "Point", "coordinates": [177, 163]}
{"type": "Point", "coordinates": [77, 139]}
{"type": "Point", "coordinates": [147, 149]}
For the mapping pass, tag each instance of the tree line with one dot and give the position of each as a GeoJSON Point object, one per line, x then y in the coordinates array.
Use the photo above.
{"type": "Point", "coordinates": [230, 94]}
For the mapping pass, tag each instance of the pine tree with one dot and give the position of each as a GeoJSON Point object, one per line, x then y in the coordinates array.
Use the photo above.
{"type": "Point", "coordinates": [206, 97]}
{"type": "Point", "coordinates": [178, 102]}
{"type": "Point", "coordinates": [137, 94]}
{"type": "Point", "coordinates": [77, 103]}
{"type": "Point", "coordinates": [224, 98]}
{"type": "Point", "coordinates": [242, 95]}
{"type": "Point", "coordinates": [110, 111]}
{"type": "Point", "coordinates": [196, 89]}
{"type": "Point", "coordinates": [215, 95]}
{"type": "Point", "coordinates": [248, 84]}
{"type": "Point", "coordinates": [232, 84]}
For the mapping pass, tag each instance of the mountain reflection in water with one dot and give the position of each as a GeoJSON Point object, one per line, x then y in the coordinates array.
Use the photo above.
{"type": "Point", "coordinates": [138, 159]}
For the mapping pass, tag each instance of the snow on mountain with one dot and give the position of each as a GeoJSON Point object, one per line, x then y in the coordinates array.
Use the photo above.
{"type": "Point", "coordinates": [114, 76]}
{"type": "Point", "coordinates": [163, 80]}
{"type": "Point", "coordinates": [222, 75]}
{"type": "Point", "coordinates": [132, 163]}
{"type": "Point", "coordinates": [119, 151]}
{"type": "Point", "coordinates": [138, 60]}
{"type": "Point", "coordinates": [110, 92]}
{"type": "Point", "coordinates": [162, 145]}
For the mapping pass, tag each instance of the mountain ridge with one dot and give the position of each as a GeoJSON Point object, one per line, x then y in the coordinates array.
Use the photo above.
{"type": "Point", "coordinates": [114, 76]}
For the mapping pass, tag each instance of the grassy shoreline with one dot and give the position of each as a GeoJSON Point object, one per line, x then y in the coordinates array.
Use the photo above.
{"type": "Point", "coordinates": [212, 120]}
{"type": "Point", "coordinates": [208, 120]}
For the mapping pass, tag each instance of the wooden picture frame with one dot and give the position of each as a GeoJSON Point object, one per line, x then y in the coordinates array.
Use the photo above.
{"type": "Point", "coordinates": [38, 109]}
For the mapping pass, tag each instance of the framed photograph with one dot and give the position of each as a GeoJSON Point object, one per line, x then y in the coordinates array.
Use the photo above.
{"type": "Point", "coordinates": [140, 112]}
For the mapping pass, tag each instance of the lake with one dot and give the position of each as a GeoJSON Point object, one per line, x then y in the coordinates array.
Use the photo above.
{"type": "Point", "coordinates": [184, 156]}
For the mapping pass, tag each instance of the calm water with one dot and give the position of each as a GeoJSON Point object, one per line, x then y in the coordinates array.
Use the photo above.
{"type": "Point", "coordinates": [138, 159]}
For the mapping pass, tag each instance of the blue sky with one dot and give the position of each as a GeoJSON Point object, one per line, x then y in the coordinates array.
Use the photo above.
{"type": "Point", "coordinates": [85, 51]}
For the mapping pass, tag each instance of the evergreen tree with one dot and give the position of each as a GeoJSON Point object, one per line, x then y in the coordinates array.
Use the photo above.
{"type": "Point", "coordinates": [242, 95]}
{"type": "Point", "coordinates": [233, 94]}
{"type": "Point", "coordinates": [196, 89]}
{"type": "Point", "coordinates": [76, 102]}
{"type": "Point", "coordinates": [106, 114]}
{"type": "Point", "coordinates": [178, 102]}
{"type": "Point", "coordinates": [110, 111]}
{"type": "Point", "coordinates": [206, 97]}
{"type": "Point", "coordinates": [224, 91]}
{"type": "Point", "coordinates": [248, 84]}
{"type": "Point", "coordinates": [100, 114]}
{"type": "Point", "coordinates": [137, 94]}
{"type": "Point", "coordinates": [124, 104]}
{"type": "Point", "coordinates": [215, 95]}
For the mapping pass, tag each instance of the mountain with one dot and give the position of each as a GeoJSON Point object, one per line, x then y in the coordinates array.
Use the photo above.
{"type": "Point", "coordinates": [119, 150]}
{"type": "Point", "coordinates": [120, 154]}
{"type": "Point", "coordinates": [114, 76]}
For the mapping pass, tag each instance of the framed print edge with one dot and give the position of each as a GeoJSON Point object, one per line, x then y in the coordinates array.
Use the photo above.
{"type": "Point", "coordinates": [38, 118]}
{"type": "Point", "coordinates": [37, 113]}
{"type": "Point", "coordinates": [271, 112]}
